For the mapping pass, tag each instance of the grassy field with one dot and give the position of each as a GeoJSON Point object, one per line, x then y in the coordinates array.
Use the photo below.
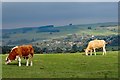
{"type": "Point", "coordinates": [65, 66]}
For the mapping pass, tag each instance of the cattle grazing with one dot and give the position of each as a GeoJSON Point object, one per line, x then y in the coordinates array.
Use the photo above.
{"type": "Point", "coordinates": [25, 51]}
{"type": "Point", "coordinates": [95, 44]}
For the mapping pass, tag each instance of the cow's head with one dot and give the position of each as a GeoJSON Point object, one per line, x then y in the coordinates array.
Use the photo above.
{"type": "Point", "coordinates": [11, 56]}
{"type": "Point", "coordinates": [87, 50]}
{"type": "Point", "coordinates": [7, 60]}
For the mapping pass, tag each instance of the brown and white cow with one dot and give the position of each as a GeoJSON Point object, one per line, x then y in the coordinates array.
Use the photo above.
{"type": "Point", "coordinates": [25, 51]}
{"type": "Point", "coordinates": [96, 44]}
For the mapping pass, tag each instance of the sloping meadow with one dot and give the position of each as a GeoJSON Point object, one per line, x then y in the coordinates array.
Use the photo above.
{"type": "Point", "coordinates": [75, 65]}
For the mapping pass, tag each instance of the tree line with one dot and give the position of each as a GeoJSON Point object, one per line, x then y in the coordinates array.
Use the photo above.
{"type": "Point", "coordinates": [64, 45]}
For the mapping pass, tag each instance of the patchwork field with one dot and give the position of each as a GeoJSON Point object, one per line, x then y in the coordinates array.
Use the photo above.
{"type": "Point", "coordinates": [48, 32]}
{"type": "Point", "coordinates": [66, 65]}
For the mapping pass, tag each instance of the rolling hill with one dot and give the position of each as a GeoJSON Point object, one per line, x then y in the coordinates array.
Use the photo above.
{"type": "Point", "coordinates": [38, 34]}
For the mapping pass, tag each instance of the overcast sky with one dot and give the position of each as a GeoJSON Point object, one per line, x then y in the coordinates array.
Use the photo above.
{"type": "Point", "coordinates": [34, 14]}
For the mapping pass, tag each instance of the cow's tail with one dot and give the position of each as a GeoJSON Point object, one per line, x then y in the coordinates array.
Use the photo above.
{"type": "Point", "coordinates": [32, 52]}
{"type": "Point", "coordinates": [108, 42]}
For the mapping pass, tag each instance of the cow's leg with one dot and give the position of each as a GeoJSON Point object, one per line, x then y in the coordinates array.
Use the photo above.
{"type": "Point", "coordinates": [91, 52]}
{"type": "Point", "coordinates": [19, 60]}
{"type": "Point", "coordinates": [94, 51]}
{"type": "Point", "coordinates": [17, 57]}
{"type": "Point", "coordinates": [31, 61]}
{"type": "Point", "coordinates": [104, 50]}
{"type": "Point", "coordinates": [30, 57]}
{"type": "Point", "coordinates": [86, 53]}
{"type": "Point", "coordinates": [27, 63]}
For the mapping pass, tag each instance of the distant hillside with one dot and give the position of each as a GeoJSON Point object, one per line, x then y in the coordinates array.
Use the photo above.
{"type": "Point", "coordinates": [38, 34]}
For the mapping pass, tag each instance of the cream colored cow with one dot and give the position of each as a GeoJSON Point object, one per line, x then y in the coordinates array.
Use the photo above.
{"type": "Point", "coordinates": [95, 44]}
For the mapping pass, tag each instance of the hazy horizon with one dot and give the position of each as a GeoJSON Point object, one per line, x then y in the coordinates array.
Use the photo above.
{"type": "Point", "coordinates": [56, 26]}
{"type": "Point", "coordinates": [25, 14]}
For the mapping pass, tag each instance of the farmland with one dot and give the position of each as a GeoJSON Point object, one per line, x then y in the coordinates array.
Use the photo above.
{"type": "Point", "coordinates": [75, 65]}
{"type": "Point", "coordinates": [61, 39]}
{"type": "Point", "coordinates": [50, 32]}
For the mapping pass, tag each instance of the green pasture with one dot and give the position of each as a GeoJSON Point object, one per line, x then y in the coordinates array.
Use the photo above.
{"type": "Point", "coordinates": [67, 65]}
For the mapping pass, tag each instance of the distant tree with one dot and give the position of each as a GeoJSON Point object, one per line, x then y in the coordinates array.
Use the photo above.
{"type": "Point", "coordinates": [89, 28]}
{"type": "Point", "coordinates": [24, 32]}
{"type": "Point", "coordinates": [74, 48]}
{"type": "Point", "coordinates": [50, 32]}
{"type": "Point", "coordinates": [45, 50]}
{"type": "Point", "coordinates": [102, 26]}
{"type": "Point", "coordinates": [5, 36]}
{"type": "Point", "coordinates": [67, 50]}
{"type": "Point", "coordinates": [80, 48]}
{"type": "Point", "coordinates": [33, 40]}
{"type": "Point", "coordinates": [70, 24]}
{"type": "Point", "coordinates": [37, 43]}
{"type": "Point", "coordinates": [14, 32]}
{"type": "Point", "coordinates": [6, 49]}
{"type": "Point", "coordinates": [59, 50]}
{"type": "Point", "coordinates": [37, 50]}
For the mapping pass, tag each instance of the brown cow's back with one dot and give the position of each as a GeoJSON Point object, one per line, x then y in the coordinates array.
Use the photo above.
{"type": "Point", "coordinates": [25, 50]}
